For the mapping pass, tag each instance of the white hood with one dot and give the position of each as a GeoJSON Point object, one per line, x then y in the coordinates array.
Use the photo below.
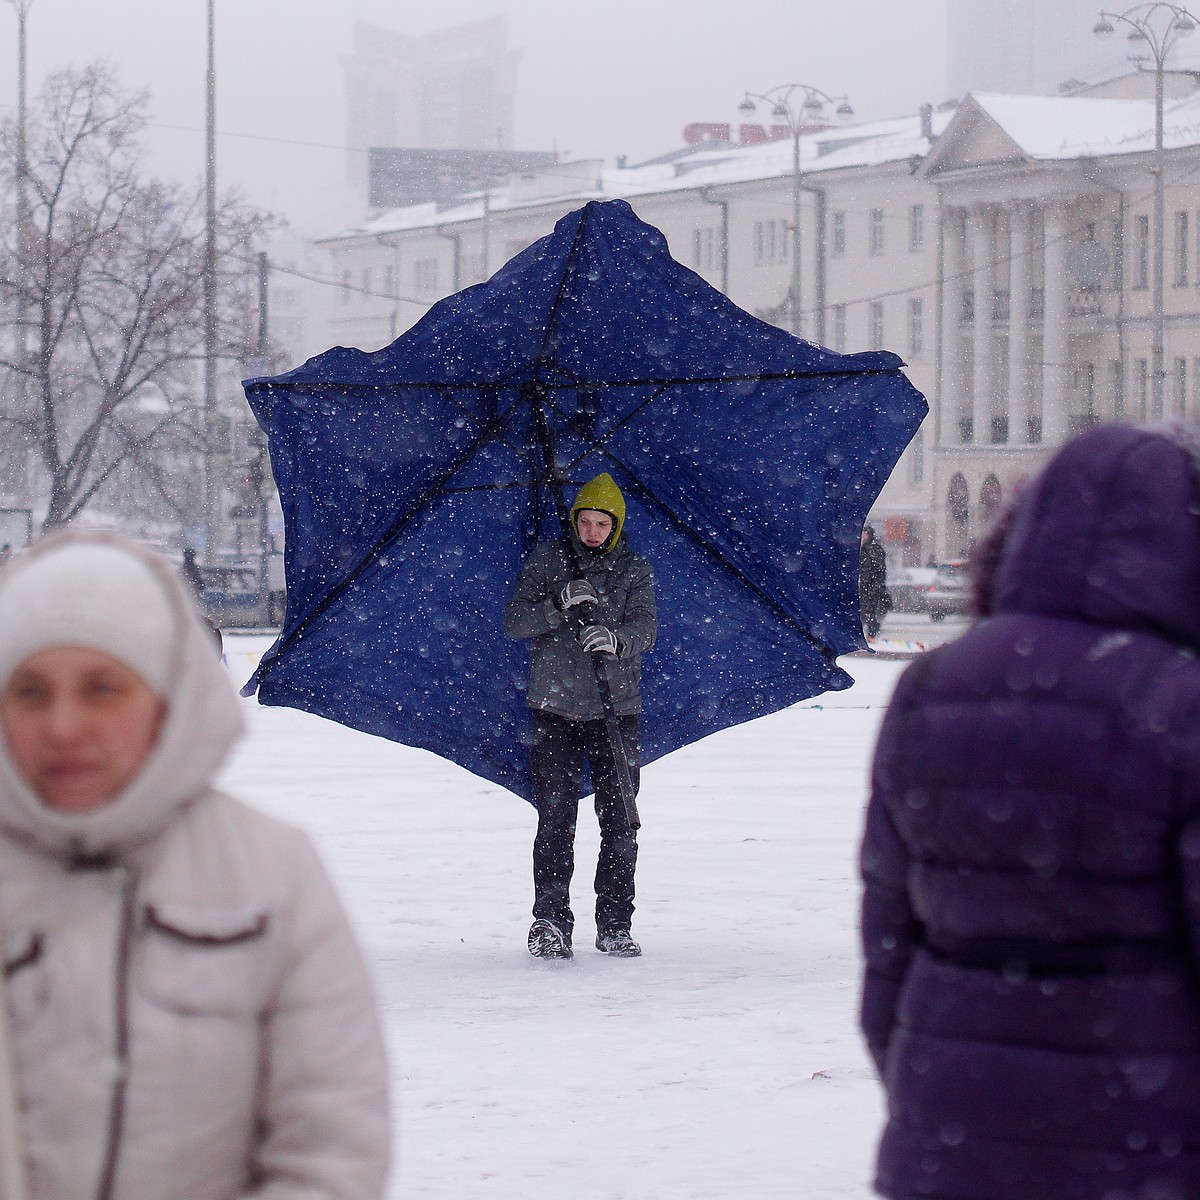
{"type": "Point", "coordinates": [202, 725]}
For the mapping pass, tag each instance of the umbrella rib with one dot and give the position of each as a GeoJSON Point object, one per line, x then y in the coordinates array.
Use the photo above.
{"type": "Point", "coordinates": [485, 487]}
{"type": "Point", "coordinates": [552, 318]}
{"type": "Point", "coordinates": [575, 428]}
{"type": "Point", "coordinates": [486, 434]}
{"type": "Point", "coordinates": [462, 408]}
{"type": "Point", "coordinates": [435, 385]}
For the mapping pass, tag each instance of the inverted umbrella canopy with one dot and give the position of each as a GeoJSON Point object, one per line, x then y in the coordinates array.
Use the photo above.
{"type": "Point", "coordinates": [415, 480]}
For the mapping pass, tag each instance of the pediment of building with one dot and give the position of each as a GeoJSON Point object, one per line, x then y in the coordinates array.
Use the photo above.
{"type": "Point", "coordinates": [972, 139]}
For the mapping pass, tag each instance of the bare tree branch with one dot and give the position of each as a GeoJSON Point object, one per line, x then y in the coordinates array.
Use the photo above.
{"type": "Point", "coordinates": [100, 302]}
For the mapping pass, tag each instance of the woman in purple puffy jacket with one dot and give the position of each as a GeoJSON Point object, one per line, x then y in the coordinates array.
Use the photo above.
{"type": "Point", "coordinates": [1031, 916]}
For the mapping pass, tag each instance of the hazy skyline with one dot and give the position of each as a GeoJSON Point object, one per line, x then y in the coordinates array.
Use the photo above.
{"type": "Point", "coordinates": [595, 81]}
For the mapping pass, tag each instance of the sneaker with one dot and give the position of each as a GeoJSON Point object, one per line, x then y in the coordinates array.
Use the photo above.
{"type": "Point", "coordinates": [547, 940]}
{"type": "Point", "coordinates": [619, 944]}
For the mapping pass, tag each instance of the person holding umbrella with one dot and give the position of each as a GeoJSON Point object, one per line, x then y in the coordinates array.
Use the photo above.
{"type": "Point", "coordinates": [585, 603]}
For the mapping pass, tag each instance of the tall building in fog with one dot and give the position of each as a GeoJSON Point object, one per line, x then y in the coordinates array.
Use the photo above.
{"type": "Point", "coordinates": [451, 89]}
{"type": "Point", "coordinates": [1032, 46]}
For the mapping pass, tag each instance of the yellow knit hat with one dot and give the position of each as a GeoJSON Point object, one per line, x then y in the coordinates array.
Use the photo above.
{"type": "Point", "coordinates": [602, 495]}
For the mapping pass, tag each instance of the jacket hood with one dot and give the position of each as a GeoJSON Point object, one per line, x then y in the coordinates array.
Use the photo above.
{"type": "Point", "coordinates": [603, 495]}
{"type": "Point", "coordinates": [202, 724]}
{"type": "Point", "coordinates": [1108, 533]}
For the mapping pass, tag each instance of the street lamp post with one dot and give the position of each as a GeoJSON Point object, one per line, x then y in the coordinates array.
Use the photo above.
{"type": "Point", "coordinates": [24, 238]}
{"type": "Point", "coordinates": [212, 490]}
{"type": "Point", "coordinates": [1157, 26]}
{"type": "Point", "coordinates": [812, 106]}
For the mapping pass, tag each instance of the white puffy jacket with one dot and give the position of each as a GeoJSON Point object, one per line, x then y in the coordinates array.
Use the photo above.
{"type": "Point", "coordinates": [191, 1015]}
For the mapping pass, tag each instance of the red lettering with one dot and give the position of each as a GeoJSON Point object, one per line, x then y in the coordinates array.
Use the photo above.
{"type": "Point", "coordinates": [705, 131]}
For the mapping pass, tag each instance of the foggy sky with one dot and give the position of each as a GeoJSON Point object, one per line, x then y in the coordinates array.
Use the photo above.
{"type": "Point", "coordinates": [597, 79]}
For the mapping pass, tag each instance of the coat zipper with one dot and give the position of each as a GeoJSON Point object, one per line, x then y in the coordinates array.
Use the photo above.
{"type": "Point", "coordinates": [116, 1111]}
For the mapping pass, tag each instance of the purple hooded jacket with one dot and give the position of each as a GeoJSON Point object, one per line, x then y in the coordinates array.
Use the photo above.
{"type": "Point", "coordinates": [1031, 915]}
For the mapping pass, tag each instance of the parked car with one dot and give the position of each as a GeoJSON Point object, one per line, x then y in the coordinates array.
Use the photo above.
{"type": "Point", "coordinates": [949, 592]}
{"type": "Point", "coordinates": [230, 597]}
{"type": "Point", "coordinates": [909, 588]}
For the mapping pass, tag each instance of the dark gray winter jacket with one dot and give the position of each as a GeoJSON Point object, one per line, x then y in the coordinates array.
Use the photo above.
{"type": "Point", "coordinates": [562, 677]}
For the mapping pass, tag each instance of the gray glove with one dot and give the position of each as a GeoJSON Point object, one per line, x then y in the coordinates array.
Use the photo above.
{"type": "Point", "coordinates": [599, 639]}
{"type": "Point", "coordinates": [578, 591]}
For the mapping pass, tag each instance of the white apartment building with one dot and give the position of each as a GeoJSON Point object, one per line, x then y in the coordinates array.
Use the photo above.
{"type": "Point", "coordinates": [903, 224]}
{"type": "Point", "coordinates": [1047, 239]}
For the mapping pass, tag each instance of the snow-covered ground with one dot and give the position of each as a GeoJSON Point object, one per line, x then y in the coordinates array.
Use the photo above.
{"type": "Point", "coordinates": [724, 1063]}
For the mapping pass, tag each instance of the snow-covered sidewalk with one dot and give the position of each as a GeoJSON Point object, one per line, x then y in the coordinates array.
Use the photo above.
{"type": "Point", "coordinates": [686, 1074]}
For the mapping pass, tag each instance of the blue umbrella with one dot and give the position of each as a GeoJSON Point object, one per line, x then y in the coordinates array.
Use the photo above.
{"type": "Point", "coordinates": [415, 480]}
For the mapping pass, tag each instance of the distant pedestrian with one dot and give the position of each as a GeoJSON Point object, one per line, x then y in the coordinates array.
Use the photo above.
{"type": "Point", "coordinates": [1031, 916]}
{"type": "Point", "coordinates": [190, 1014]}
{"type": "Point", "coordinates": [190, 571]}
{"type": "Point", "coordinates": [873, 595]}
{"type": "Point", "coordinates": [586, 604]}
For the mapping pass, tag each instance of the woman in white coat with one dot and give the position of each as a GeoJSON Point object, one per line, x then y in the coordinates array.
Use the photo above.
{"type": "Point", "coordinates": [190, 1015]}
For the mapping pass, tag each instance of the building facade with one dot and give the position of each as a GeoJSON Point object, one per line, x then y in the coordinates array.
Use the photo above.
{"type": "Point", "coordinates": [1004, 248]}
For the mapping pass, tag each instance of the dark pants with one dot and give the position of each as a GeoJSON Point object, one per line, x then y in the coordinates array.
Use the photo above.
{"type": "Point", "coordinates": [558, 749]}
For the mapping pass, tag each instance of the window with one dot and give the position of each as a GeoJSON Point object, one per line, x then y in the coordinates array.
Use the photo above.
{"type": "Point", "coordinates": [916, 227]}
{"type": "Point", "coordinates": [785, 241]}
{"type": "Point", "coordinates": [876, 324]}
{"type": "Point", "coordinates": [839, 328]}
{"type": "Point", "coordinates": [770, 242]}
{"type": "Point", "coordinates": [710, 238]}
{"type": "Point", "coordinates": [916, 328]}
{"type": "Point", "coordinates": [345, 287]}
{"type": "Point", "coordinates": [1182, 249]}
{"type": "Point", "coordinates": [696, 248]}
{"type": "Point", "coordinates": [1117, 374]}
{"type": "Point", "coordinates": [991, 495]}
{"type": "Point", "coordinates": [875, 239]}
{"type": "Point", "coordinates": [389, 281]}
{"type": "Point", "coordinates": [1181, 387]}
{"type": "Point", "coordinates": [365, 294]}
{"type": "Point", "coordinates": [838, 248]}
{"type": "Point", "coordinates": [1141, 371]}
{"type": "Point", "coordinates": [425, 276]}
{"type": "Point", "coordinates": [1141, 253]}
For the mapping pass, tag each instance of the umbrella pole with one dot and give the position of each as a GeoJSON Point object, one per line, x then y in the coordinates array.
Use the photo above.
{"type": "Point", "coordinates": [612, 730]}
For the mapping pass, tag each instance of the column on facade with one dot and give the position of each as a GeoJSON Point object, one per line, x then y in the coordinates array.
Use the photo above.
{"type": "Point", "coordinates": [983, 250]}
{"type": "Point", "coordinates": [1055, 326]}
{"type": "Point", "coordinates": [982, 222]}
{"type": "Point", "coordinates": [1020, 397]}
{"type": "Point", "coordinates": [953, 375]}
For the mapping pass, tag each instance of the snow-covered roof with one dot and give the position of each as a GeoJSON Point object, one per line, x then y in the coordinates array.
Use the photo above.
{"type": "Point", "coordinates": [1053, 127]}
{"type": "Point", "coordinates": [861, 145]}
{"type": "Point", "coordinates": [1041, 127]}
